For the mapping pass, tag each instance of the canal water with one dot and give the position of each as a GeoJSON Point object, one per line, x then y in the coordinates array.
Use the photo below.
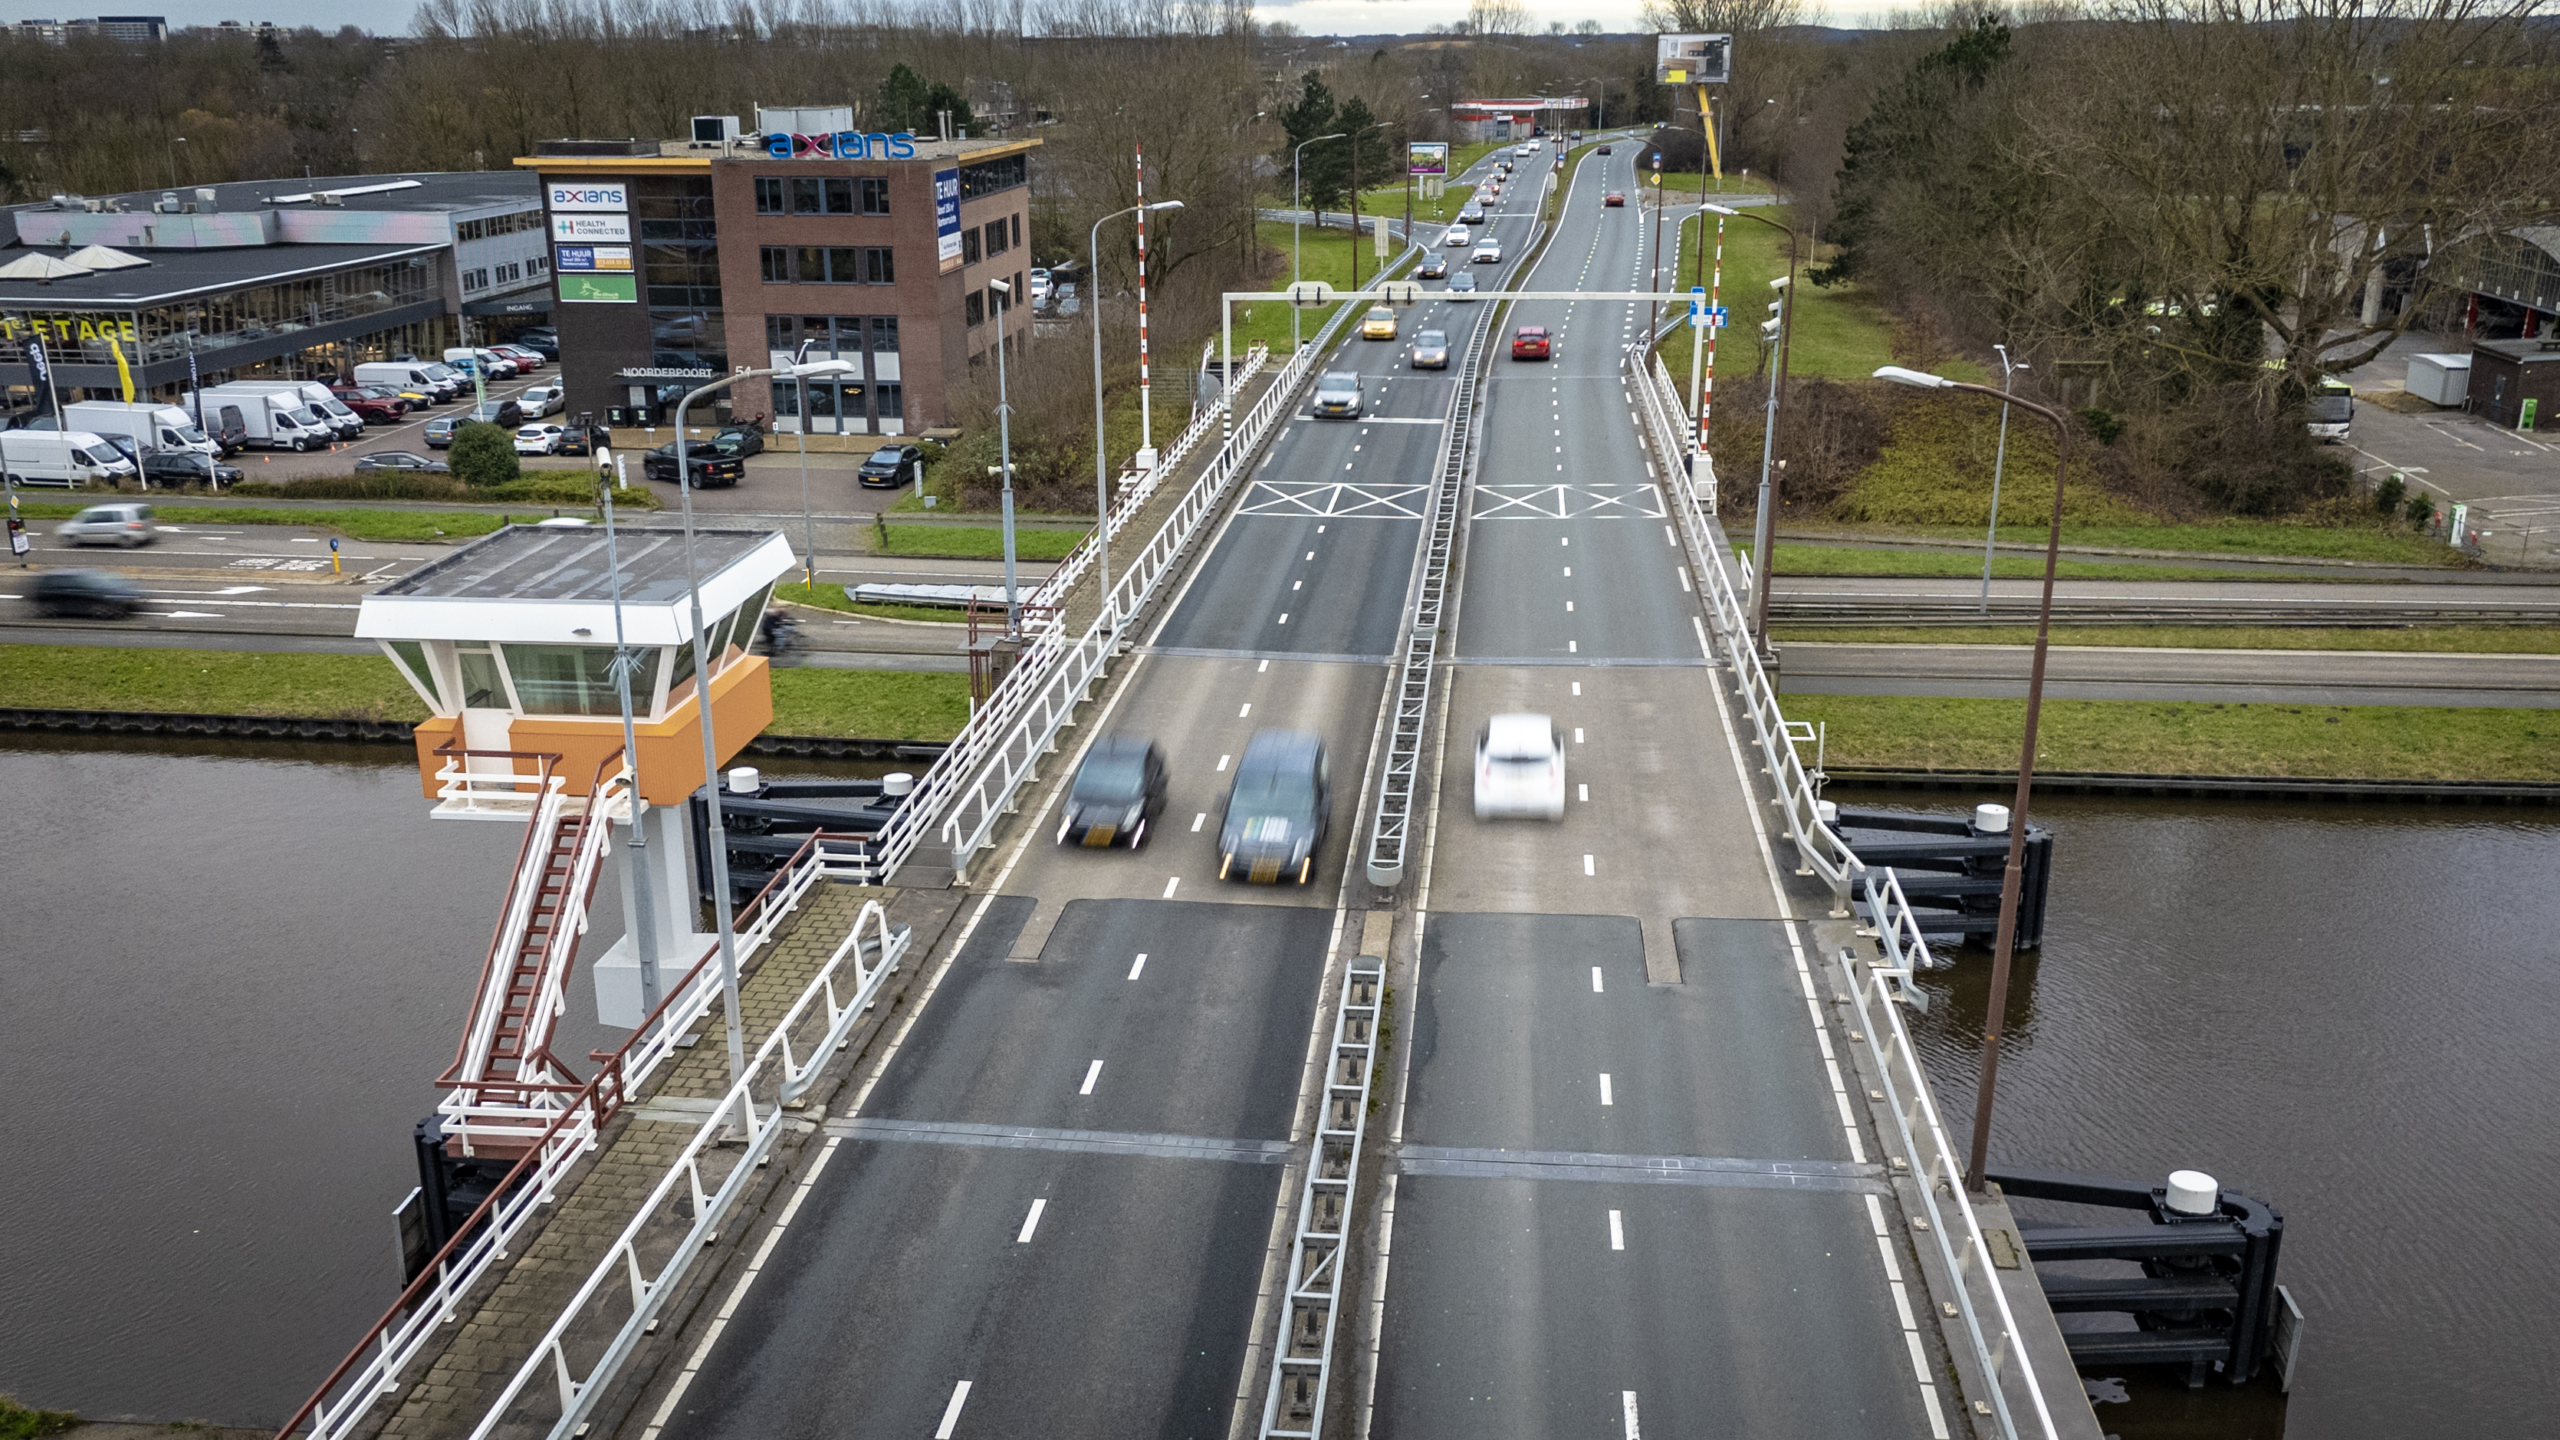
{"type": "Point", "coordinates": [230, 972]}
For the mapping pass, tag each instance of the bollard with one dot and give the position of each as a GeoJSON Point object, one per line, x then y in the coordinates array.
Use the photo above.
{"type": "Point", "coordinates": [2193, 1192]}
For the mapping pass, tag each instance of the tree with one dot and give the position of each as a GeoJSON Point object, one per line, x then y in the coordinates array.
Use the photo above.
{"type": "Point", "coordinates": [909, 102]}
{"type": "Point", "coordinates": [1719, 17]}
{"type": "Point", "coordinates": [484, 454]}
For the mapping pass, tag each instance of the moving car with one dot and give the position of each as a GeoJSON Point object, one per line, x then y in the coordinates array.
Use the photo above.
{"type": "Point", "coordinates": [1604, 149]}
{"type": "Point", "coordinates": [1489, 253]}
{"type": "Point", "coordinates": [1520, 768]}
{"type": "Point", "coordinates": [1530, 342]}
{"type": "Point", "coordinates": [187, 467]}
{"type": "Point", "coordinates": [539, 439]}
{"type": "Point", "coordinates": [740, 440]}
{"type": "Point", "coordinates": [102, 593]}
{"type": "Point", "coordinates": [1433, 267]}
{"type": "Point", "coordinates": [402, 460]}
{"type": "Point", "coordinates": [711, 469]}
{"type": "Point", "coordinates": [1276, 811]}
{"type": "Point", "coordinates": [1459, 235]}
{"type": "Point", "coordinates": [1117, 790]}
{"type": "Point", "coordinates": [1530, 148]}
{"type": "Point", "coordinates": [1471, 214]}
{"type": "Point", "coordinates": [891, 466]}
{"type": "Point", "coordinates": [1614, 201]}
{"type": "Point", "coordinates": [1462, 286]}
{"type": "Point", "coordinates": [1338, 393]}
{"type": "Point", "coordinates": [1431, 350]}
{"type": "Point", "coordinates": [1378, 324]}
{"type": "Point", "coordinates": [126, 524]}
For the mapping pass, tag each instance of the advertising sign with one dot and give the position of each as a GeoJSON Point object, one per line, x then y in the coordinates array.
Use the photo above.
{"type": "Point", "coordinates": [590, 259]}
{"type": "Point", "coordinates": [599, 290]}
{"type": "Point", "coordinates": [1692, 59]}
{"type": "Point", "coordinates": [598, 196]}
{"type": "Point", "coordinates": [841, 145]}
{"type": "Point", "coordinates": [946, 218]}
{"type": "Point", "coordinates": [1426, 158]}
{"type": "Point", "coordinates": [591, 228]}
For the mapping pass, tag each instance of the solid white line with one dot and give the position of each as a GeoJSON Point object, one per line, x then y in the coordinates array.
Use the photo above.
{"type": "Point", "coordinates": [1199, 820]}
{"type": "Point", "coordinates": [1170, 883]}
{"type": "Point", "coordinates": [1607, 1096]}
{"type": "Point", "coordinates": [1597, 987]}
{"type": "Point", "coordinates": [1586, 866]}
{"type": "Point", "coordinates": [1140, 965]}
{"type": "Point", "coordinates": [1617, 1239]}
{"type": "Point", "coordinates": [960, 1397]}
{"type": "Point", "coordinates": [1627, 1401]}
{"type": "Point", "coordinates": [1031, 1221]}
{"type": "Point", "coordinates": [1093, 1073]}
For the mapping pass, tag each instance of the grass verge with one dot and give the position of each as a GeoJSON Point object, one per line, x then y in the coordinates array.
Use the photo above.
{"type": "Point", "coordinates": [409, 525]}
{"type": "Point", "coordinates": [869, 704]}
{"type": "Point", "coordinates": [17, 1422]}
{"type": "Point", "coordinates": [1324, 255]}
{"type": "Point", "coordinates": [2351, 742]}
{"type": "Point", "coordinates": [1844, 560]}
{"type": "Point", "coordinates": [1842, 332]}
{"type": "Point", "coordinates": [2220, 537]}
{"type": "Point", "coordinates": [832, 597]}
{"type": "Point", "coordinates": [204, 682]}
{"type": "Point", "coordinates": [2420, 639]}
{"type": "Point", "coordinates": [977, 542]}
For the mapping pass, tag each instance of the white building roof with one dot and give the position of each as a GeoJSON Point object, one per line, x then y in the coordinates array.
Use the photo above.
{"type": "Point", "coordinates": [550, 585]}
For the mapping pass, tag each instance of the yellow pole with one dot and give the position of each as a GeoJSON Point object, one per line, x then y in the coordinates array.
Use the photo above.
{"type": "Point", "coordinates": [1707, 123]}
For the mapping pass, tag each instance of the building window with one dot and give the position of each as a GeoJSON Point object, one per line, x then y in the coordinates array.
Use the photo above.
{"type": "Point", "coordinates": [994, 175]}
{"type": "Point", "coordinates": [475, 279]}
{"type": "Point", "coordinates": [969, 252]}
{"type": "Point", "coordinates": [781, 332]}
{"type": "Point", "coordinates": [777, 264]}
{"type": "Point", "coordinates": [805, 196]}
{"type": "Point", "coordinates": [818, 331]}
{"type": "Point", "coordinates": [537, 264]}
{"type": "Point", "coordinates": [892, 400]}
{"type": "Point", "coordinates": [996, 243]}
{"type": "Point", "coordinates": [1017, 231]}
{"type": "Point", "coordinates": [839, 197]}
{"type": "Point", "coordinates": [810, 264]}
{"type": "Point", "coordinates": [844, 265]}
{"type": "Point", "coordinates": [879, 265]}
{"type": "Point", "coordinates": [974, 309]}
{"type": "Point", "coordinates": [768, 194]}
{"type": "Point", "coordinates": [884, 336]}
{"type": "Point", "coordinates": [875, 195]}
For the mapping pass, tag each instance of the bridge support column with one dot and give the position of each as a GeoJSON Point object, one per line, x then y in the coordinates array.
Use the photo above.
{"type": "Point", "coordinates": [667, 889]}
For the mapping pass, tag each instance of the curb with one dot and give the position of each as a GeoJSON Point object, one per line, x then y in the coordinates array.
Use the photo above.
{"type": "Point", "coordinates": [2220, 787]}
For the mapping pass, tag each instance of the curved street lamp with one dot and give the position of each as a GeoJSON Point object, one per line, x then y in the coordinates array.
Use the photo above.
{"type": "Point", "coordinates": [1297, 158]}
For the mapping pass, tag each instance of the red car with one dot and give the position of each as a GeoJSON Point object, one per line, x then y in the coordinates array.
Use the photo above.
{"type": "Point", "coordinates": [1529, 342]}
{"type": "Point", "coordinates": [527, 361]}
{"type": "Point", "coordinates": [1614, 200]}
{"type": "Point", "coordinates": [373, 404]}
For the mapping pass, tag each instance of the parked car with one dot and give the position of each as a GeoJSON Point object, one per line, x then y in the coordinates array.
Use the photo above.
{"type": "Point", "coordinates": [577, 440]}
{"type": "Point", "coordinates": [891, 466]}
{"type": "Point", "coordinates": [526, 358]}
{"type": "Point", "coordinates": [711, 469]}
{"type": "Point", "coordinates": [408, 460]}
{"type": "Point", "coordinates": [373, 404]}
{"type": "Point", "coordinates": [1117, 790]}
{"type": "Point", "coordinates": [1613, 200]}
{"type": "Point", "coordinates": [1431, 350]}
{"type": "Point", "coordinates": [1277, 810]}
{"type": "Point", "coordinates": [187, 467]}
{"type": "Point", "coordinates": [1040, 288]}
{"type": "Point", "coordinates": [506, 413]}
{"type": "Point", "coordinates": [1338, 393]}
{"type": "Point", "coordinates": [1433, 267]}
{"type": "Point", "coordinates": [539, 439]}
{"type": "Point", "coordinates": [439, 433]}
{"type": "Point", "coordinates": [125, 524]}
{"type": "Point", "coordinates": [1462, 286]}
{"type": "Point", "coordinates": [100, 593]}
{"type": "Point", "coordinates": [1530, 342]}
{"type": "Point", "coordinates": [540, 400]}
{"type": "Point", "coordinates": [1378, 324]}
{"type": "Point", "coordinates": [543, 340]}
{"type": "Point", "coordinates": [741, 440]}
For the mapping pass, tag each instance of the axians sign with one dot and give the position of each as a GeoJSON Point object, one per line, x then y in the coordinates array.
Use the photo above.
{"type": "Point", "coordinates": [607, 196]}
{"type": "Point", "coordinates": [842, 145]}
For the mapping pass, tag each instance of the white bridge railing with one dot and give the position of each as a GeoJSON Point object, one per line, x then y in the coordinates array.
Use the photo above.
{"type": "Point", "coordinates": [1666, 422]}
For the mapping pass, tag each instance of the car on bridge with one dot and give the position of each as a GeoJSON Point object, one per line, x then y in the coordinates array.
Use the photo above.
{"type": "Point", "coordinates": [1378, 324]}
{"type": "Point", "coordinates": [1489, 253]}
{"type": "Point", "coordinates": [1337, 393]}
{"type": "Point", "coordinates": [1459, 235]}
{"type": "Point", "coordinates": [1433, 267]}
{"type": "Point", "coordinates": [1277, 810]}
{"type": "Point", "coordinates": [1117, 790]}
{"type": "Point", "coordinates": [1462, 286]}
{"type": "Point", "coordinates": [1431, 350]}
{"type": "Point", "coordinates": [1530, 342]}
{"type": "Point", "coordinates": [1472, 214]}
{"type": "Point", "coordinates": [1520, 768]}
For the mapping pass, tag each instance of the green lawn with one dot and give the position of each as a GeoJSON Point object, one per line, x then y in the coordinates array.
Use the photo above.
{"type": "Point", "coordinates": [416, 525]}
{"type": "Point", "coordinates": [17, 1422]}
{"type": "Point", "coordinates": [2224, 537]}
{"type": "Point", "coordinates": [1843, 560]}
{"type": "Point", "coordinates": [869, 704]}
{"type": "Point", "coordinates": [1326, 257]}
{"type": "Point", "coordinates": [832, 597]}
{"type": "Point", "coordinates": [978, 542]}
{"type": "Point", "coordinates": [1841, 332]}
{"type": "Point", "coordinates": [2426, 639]}
{"type": "Point", "coordinates": [2375, 742]}
{"type": "Point", "coordinates": [204, 682]}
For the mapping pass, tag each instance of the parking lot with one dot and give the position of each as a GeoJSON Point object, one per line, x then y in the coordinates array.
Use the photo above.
{"type": "Point", "coordinates": [2510, 479]}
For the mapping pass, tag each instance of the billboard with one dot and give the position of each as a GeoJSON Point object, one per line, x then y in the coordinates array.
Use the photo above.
{"type": "Point", "coordinates": [584, 228]}
{"type": "Point", "coordinates": [595, 196]}
{"type": "Point", "coordinates": [1426, 158]}
{"type": "Point", "coordinates": [599, 290]}
{"type": "Point", "coordinates": [1692, 59]}
{"type": "Point", "coordinates": [593, 259]}
{"type": "Point", "coordinates": [946, 218]}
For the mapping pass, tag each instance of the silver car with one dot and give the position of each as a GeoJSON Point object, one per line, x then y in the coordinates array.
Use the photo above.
{"type": "Point", "coordinates": [1338, 393]}
{"type": "Point", "coordinates": [1431, 350]}
{"type": "Point", "coordinates": [127, 525]}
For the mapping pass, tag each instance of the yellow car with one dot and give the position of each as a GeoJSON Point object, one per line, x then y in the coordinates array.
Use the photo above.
{"type": "Point", "coordinates": [1380, 324]}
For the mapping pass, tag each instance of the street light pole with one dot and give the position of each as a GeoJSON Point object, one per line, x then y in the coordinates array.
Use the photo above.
{"type": "Point", "coordinates": [2006, 939]}
{"type": "Point", "coordinates": [1004, 453]}
{"type": "Point", "coordinates": [1999, 459]}
{"type": "Point", "coordinates": [1101, 461]}
{"type": "Point", "coordinates": [644, 919]}
{"type": "Point", "coordinates": [1297, 158]}
{"type": "Point", "coordinates": [1764, 525]}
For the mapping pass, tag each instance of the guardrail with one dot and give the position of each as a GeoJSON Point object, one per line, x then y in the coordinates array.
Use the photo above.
{"type": "Point", "coordinates": [1302, 1366]}
{"type": "Point", "coordinates": [681, 1192]}
{"type": "Point", "coordinates": [1668, 436]}
{"type": "Point", "coordinates": [1937, 1171]}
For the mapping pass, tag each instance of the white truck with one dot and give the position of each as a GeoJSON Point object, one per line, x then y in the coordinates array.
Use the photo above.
{"type": "Point", "coordinates": [61, 457]}
{"type": "Point", "coordinates": [342, 422]}
{"type": "Point", "coordinates": [147, 429]}
{"type": "Point", "coordinates": [409, 377]}
{"type": "Point", "coordinates": [274, 417]}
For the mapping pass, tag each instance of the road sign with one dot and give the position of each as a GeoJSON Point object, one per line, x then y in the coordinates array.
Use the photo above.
{"type": "Point", "coordinates": [1310, 294]}
{"type": "Point", "coordinates": [1400, 292]}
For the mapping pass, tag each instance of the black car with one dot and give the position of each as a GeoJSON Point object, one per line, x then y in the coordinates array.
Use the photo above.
{"type": "Point", "coordinates": [1277, 810]}
{"type": "Point", "coordinates": [186, 467]}
{"type": "Point", "coordinates": [577, 440]}
{"type": "Point", "coordinates": [891, 466]}
{"type": "Point", "coordinates": [740, 441]}
{"type": "Point", "coordinates": [100, 593]}
{"type": "Point", "coordinates": [545, 343]}
{"type": "Point", "coordinates": [711, 469]}
{"type": "Point", "coordinates": [401, 460]}
{"type": "Point", "coordinates": [1433, 267]}
{"type": "Point", "coordinates": [1604, 149]}
{"type": "Point", "coordinates": [1118, 789]}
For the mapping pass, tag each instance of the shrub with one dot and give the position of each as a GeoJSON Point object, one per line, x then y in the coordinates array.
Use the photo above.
{"type": "Point", "coordinates": [484, 455]}
{"type": "Point", "coordinates": [2106, 427]}
{"type": "Point", "coordinates": [2388, 495]}
{"type": "Point", "coordinates": [2421, 508]}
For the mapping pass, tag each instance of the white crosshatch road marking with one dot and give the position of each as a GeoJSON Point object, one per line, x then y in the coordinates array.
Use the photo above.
{"type": "Point", "coordinates": [1567, 502]}
{"type": "Point", "coordinates": [1335, 500]}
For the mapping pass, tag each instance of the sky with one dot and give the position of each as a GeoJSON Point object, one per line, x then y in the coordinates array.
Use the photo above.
{"type": "Point", "coordinates": [1315, 17]}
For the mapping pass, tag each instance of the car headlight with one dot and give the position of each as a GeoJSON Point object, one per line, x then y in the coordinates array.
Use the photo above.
{"type": "Point", "coordinates": [1130, 817]}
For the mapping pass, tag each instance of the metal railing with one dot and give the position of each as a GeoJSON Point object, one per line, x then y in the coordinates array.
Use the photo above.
{"type": "Point", "coordinates": [1666, 422]}
{"type": "Point", "coordinates": [1937, 1171]}
{"type": "Point", "coordinates": [1006, 761]}
{"type": "Point", "coordinates": [682, 1192]}
{"type": "Point", "coordinates": [556, 1141]}
{"type": "Point", "coordinates": [1302, 1365]}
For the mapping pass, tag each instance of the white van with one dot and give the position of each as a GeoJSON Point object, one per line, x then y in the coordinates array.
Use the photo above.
{"type": "Point", "coordinates": [148, 429]}
{"type": "Point", "coordinates": [409, 378]}
{"type": "Point", "coordinates": [493, 364]}
{"type": "Point", "coordinates": [311, 395]}
{"type": "Point", "coordinates": [273, 415]}
{"type": "Point", "coordinates": [61, 457]}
